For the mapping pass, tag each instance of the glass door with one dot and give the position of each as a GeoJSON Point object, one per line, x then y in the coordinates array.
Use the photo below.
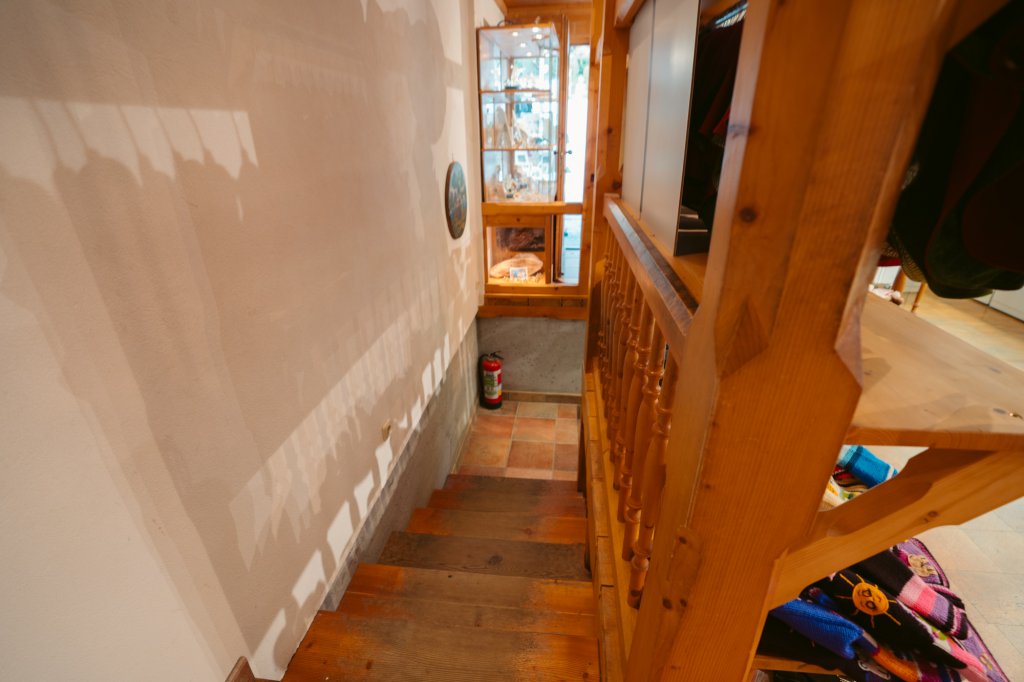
{"type": "Point", "coordinates": [573, 179]}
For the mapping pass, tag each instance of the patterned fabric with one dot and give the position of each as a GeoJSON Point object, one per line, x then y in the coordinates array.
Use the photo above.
{"type": "Point", "coordinates": [896, 578]}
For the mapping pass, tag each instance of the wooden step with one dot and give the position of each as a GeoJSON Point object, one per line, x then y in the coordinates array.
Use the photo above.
{"type": "Point", "coordinates": [519, 486]}
{"type": "Point", "coordinates": [448, 614]}
{"type": "Point", "coordinates": [341, 646]}
{"type": "Point", "coordinates": [565, 596]}
{"type": "Point", "coordinates": [485, 555]}
{"type": "Point", "coordinates": [481, 493]}
{"type": "Point", "coordinates": [499, 525]}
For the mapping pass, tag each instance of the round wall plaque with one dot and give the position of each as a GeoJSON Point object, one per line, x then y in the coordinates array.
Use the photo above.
{"type": "Point", "coordinates": [455, 201]}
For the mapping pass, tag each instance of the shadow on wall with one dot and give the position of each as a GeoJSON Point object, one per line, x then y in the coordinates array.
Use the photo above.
{"type": "Point", "coordinates": [227, 219]}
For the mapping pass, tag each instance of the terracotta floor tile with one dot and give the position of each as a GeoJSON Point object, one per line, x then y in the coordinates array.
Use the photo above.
{"type": "Point", "coordinates": [475, 470]}
{"type": "Point", "coordinates": [567, 431]}
{"type": "Point", "coordinates": [507, 409]}
{"type": "Point", "coordinates": [490, 425]}
{"type": "Point", "coordinates": [566, 411]}
{"type": "Point", "coordinates": [538, 410]}
{"type": "Point", "coordinates": [527, 455]}
{"type": "Point", "coordinates": [513, 472]}
{"type": "Point", "coordinates": [486, 451]}
{"type": "Point", "coordinates": [567, 457]}
{"type": "Point", "coordinates": [534, 429]}
{"type": "Point", "coordinates": [563, 475]}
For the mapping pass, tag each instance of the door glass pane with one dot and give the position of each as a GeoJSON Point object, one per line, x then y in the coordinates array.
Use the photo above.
{"type": "Point", "coordinates": [576, 123]}
{"type": "Point", "coordinates": [572, 234]}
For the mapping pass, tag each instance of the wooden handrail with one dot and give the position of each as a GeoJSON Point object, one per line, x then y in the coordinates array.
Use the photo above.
{"type": "Point", "coordinates": [672, 303]}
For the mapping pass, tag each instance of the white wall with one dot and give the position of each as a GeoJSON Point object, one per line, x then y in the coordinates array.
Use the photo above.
{"type": "Point", "coordinates": [662, 43]}
{"type": "Point", "coordinates": [223, 266]}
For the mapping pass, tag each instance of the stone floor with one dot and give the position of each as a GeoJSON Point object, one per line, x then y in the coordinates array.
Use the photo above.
{"type": "Point", "coordinates": [524, 440]}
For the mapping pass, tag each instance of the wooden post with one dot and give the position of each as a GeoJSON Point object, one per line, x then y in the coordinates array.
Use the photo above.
{"type": "Point", "coordinates": [609, 48]}
{"type": "Point", "coordinates": [826, 91]}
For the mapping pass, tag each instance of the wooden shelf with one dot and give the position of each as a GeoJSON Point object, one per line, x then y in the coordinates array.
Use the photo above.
{"type": "Point", "coordinates": [518, 149]}
{"type": "Point", "coordinates": [506, 208]}
{"type": "Point", "coordinates": [923, 386]}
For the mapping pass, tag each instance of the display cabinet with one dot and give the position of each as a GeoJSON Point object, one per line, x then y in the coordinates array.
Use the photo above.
{"type": "Point", "coordinates": [519, 113]}
{"type": "Point", "coordinates": [523, 90]}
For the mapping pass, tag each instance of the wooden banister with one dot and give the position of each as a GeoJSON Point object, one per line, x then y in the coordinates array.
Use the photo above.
{"type": "Point", "coordinates": [672, 303]}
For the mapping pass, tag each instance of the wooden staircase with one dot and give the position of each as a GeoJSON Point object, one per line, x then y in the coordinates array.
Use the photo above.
{"type": "Point", "coordinates": [487, 583]}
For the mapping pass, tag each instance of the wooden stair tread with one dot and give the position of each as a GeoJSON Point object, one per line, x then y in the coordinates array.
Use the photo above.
{"type": "Point", "coordinates": [485, 555]}
{"type": "Point", "coordinates": [448, 614]}
{"type": "Point", "coordinates": [546, 504]}
{"type": "Point", "coordinates": [499, 525]}
{"type": "Point", "coordinates": [340, 646]}
{"type": "Point", "coordinates": [521, 486]}
{"type": "Point", "coordinates": [567, 596]}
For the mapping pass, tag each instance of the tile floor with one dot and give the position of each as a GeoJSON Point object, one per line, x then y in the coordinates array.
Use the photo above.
{"type": "Point", "coordinates": [524, 440]}
{"type": "Point", "coordinates": [984, 558]}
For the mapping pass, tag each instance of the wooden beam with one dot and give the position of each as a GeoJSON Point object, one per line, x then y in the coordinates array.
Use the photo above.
{"type": "Point", "coordinates": [537, 208]}
{"type": "Point", "coordinates": [970, 16]}
{"type": "Point", "coordinates": [961, 484]}
{"type": "Point", "coordinates": [502, 6]}
{"type": "Point", "coordinates": [772, 360]}
{"type": "Point", "coordinates": [625, 12]}
{"type": "Point", "coordinates": [609, 51]}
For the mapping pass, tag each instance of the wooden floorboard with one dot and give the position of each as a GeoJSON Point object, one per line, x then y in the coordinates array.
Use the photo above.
{"type": "Point", "coordinates": [484, 555]}
{"type": "Point", "coordinates": [339, 646]}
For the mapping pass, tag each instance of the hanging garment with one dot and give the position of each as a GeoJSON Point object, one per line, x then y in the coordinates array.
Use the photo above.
{"type": "Point", "coordinates": [959, 222]}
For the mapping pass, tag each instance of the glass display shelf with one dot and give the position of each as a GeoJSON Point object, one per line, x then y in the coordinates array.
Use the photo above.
{"type": "Point", "coordinates": [519, 112]}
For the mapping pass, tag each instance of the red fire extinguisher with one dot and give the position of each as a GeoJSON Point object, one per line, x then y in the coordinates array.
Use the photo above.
{"type": "Point", "coordinates": [490, 381]}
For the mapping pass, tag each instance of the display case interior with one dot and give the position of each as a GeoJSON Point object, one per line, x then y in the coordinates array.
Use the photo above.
{"type": "Point", "coordinates": [519, 112]}
{"type": "Point", "coordinates": [520, 253]}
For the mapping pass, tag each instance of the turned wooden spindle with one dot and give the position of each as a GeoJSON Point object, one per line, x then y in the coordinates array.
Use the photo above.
{"type": "Point", "coordinates": [645, 424]}
{"type": "Point", "coordinates": [606, 283]}
{"type": "Point", "coordinates": [617, 411]}
{"type": "Point", "coordinates": [614, 298]}
{"type": "Point", "coordinates": [625, 431]}
{"type": "Point", "coordinates": [653, 485]}
{"type": "Point", "coordinates": [640, 349]}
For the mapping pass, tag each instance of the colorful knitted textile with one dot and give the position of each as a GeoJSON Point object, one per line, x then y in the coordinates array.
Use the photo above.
{"type": "Point", "coordinates": [863, 464]}
{"type": "Point", "coordinates": [916, 555]}
{"type": "Point", "coordinates": [778, 639]}
{"type": "Point", "coordinates": [881, 615]}
{"type": "Point", "coordinates": [896, 578]}
{"type": "Point", "coordinates": [839, 635]}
